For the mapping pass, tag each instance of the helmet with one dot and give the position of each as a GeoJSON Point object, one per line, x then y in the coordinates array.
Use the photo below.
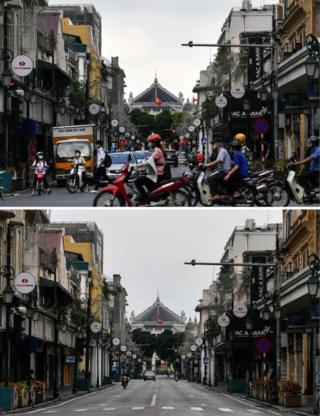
{"type": "Point", "coordinates": [240, 137]}
{"type": "Point", "coordinates": [236, 144]}
{"type": "Point", "coordinates": [314, 139]}
{"type": "Point", "coordinates": [154, 137]}
{"type": "Point", "coordinates": [40, 155]}
{"type": "Point", "coordinates": [77, 151]}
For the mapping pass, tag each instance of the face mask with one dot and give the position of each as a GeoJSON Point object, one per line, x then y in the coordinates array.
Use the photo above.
{"type": "Point", "coordinates": [40, 157]}
{"type": "Point", "coordinates": [77, 155]}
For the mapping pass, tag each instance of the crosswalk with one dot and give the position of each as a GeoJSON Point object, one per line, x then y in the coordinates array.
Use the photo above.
{"type": "Point", "coordinates": [195, 409]}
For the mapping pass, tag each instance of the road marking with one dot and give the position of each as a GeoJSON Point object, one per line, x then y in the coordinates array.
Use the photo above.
{"type": "Point", "coordinates": [108, 409]}
{"type": "Point", "coordinates": [225, 409]}
{"type": "Point", "coordinates": [196, 409]}
{"type": "Point", "coordinates": [137, 408]}
{"type": "Point", "coordinates": [253, 411]}
{"type": "Point", "coordinates": [167, 408]}
{"type": "Point", "coordinates": [237, 400]}
{"type": "Point", "coordinates": [51, 411]}
{"type": "Point", "coordinates": [80, 410]}
{"type": "Point", "coordinates": [154, 400]}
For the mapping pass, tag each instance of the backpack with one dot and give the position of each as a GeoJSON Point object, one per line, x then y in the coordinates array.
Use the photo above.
{"type": "Point", "coordinates": [107, 160]}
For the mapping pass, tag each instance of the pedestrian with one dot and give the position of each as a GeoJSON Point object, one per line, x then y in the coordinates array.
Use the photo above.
{"type": "Point", "coordinates": [100, 168]}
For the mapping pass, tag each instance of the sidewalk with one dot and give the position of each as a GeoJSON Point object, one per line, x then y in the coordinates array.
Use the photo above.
{"type": "Point", "coordinates": [65, 393]}
{"type": "Point", "coordinates": [305, 410]}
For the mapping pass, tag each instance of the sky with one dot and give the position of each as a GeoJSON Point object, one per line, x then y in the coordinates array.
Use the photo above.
{"type": "Point", "coordinates": [148, 249]}
{"type": "Point", "coordinates": [147, 37]}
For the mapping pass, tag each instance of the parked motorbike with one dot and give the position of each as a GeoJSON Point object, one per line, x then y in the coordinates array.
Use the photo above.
{"type": "Point", "coordinates": [122, 191]}
{"type": "Point", "coordinates": [75, 180]}
{"type": "Point", "coordinates": [124, 381]}
{"type": "Point", "coordinates": [281, 193]}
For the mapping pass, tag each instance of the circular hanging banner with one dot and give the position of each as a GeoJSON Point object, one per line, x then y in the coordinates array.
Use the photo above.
{"type": "Point", "coordinates": [22, 66]}
{"type": "Point", "coordinates": [199, 342]}
{"type": "Point", "coordinates": [116, 342]}
{"type": "Point", "coordinates": [193, 348]}
{"type": "Point", "coordinates": [25, 283]}
{"type": "Point", "coordinates": [197, 122]}
{"type": "Point", "coordinates": [114, 123]}
{"type": "Point", "coordinates": [224, 320]}
{"type": "Point", "coordinates": [122, 129]}
{"type": "Point", "coordinates": [240, 310]}
{"type": "Point", "coordinates": [221, 101]}
{"type": "Point", "coordinates": [134, 356]}
{"type": "Point", "coordinates": [96, 327]}
{"type": "Point", "coordinates": [183, 357]}
{"type": "Point", "coordinates": [238, 91]}
{"type": "Point", "coordinates": [94, 109]}
{"type": "Point", "coordinates": [189, 355]}
{"type": "Point", "coordinates": [191, 129]}
{"type": "Point", "coordinates": [123, 348]}
{"type": "Point", "coordinates": [129, 354]}
{"type": "Point", "coordinates": [263, 345]}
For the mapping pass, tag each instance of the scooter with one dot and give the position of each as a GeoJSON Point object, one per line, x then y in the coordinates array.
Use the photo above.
{"type": "Point", "coordinates": [121, 192]}
{"type": "Point", "coordinates": [39, 174]}
{"type": "Point", "coordinates": [75, 180]}
{"type": "Point", "coordinates": [281, 193]}
{"type": "Point", "coordinates": [246, 189]}
{"type": "Point", "coordinates": [124, 381]}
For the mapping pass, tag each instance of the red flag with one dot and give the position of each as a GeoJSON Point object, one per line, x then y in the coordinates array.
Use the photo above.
{"type": "Point", "coordinates": [194, 100]}
{"type": "Point", "coordinates": [158, 101]}
{"type": "Point", "coordinates": [159, 320]}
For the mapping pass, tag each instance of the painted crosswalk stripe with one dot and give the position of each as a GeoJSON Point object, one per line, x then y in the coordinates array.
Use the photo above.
{"type": "Point", "coordinates": [108, 409]}
{"type": "Point", "coordinates": [167, 408]}
{"type": "Point", "coordinates": [225, 409]}
{"type": "Point", "coordinates": [196, 409]}
{"type": "Point", "coordinates": [253, 411]}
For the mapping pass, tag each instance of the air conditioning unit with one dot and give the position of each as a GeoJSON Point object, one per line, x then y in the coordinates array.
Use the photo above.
{"type": "Point", "coordinates": [14, 4]}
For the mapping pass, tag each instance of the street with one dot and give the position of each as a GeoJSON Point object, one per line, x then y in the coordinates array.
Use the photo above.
{"type": "Point", "coordinates": [60, 197]}
{"type": "Point", "coordinates": [163, 397]}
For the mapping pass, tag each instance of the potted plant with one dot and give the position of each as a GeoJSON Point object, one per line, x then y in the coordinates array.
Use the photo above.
{"type": "Point", "coordinates": [23, 394]}
{"type": "Point", "coordinates": [8, 396]}
{"type": "Point", "coordinates": [39, 390]}
{"type": "Point", "coordinates": [290, 393]}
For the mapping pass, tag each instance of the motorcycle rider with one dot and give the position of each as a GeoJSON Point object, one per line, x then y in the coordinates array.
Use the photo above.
{"type": "Point", "coordinates": [241, 138]}
{"type": "Point", "coordinates": [124, 378]}
{"type": "Point", "coordinates": [223, 163]}
{"type": "Point", "coordinates": [311, 177]}
{"type": "Point", "coordinates": [240, 169]}
{"type": "Point", "coordinates": [158, 156]}
{"type": "Point", "coordinates": [39, 164]}
{"type": "Point", "coordinates": [79, 161]}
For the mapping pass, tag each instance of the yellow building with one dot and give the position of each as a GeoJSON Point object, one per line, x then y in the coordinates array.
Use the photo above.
{"type": "Point", "coordinates": [85, 34]}
{"type": "Point", "coordinates": [301, 230]}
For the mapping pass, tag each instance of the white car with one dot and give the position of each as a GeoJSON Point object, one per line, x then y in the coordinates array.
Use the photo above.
{"type": "Point", "coordinates": [118, 160]}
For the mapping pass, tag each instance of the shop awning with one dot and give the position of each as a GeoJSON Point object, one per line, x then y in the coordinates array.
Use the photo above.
{"type": "Point", "coordinates": [62, 79]}
{"type": "Point", "coordinates": [48, 283]}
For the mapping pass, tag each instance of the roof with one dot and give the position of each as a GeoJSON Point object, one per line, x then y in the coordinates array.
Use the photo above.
{"type": "Point", "coordinates": [156, 312]}
{"type": "Point", "coordinates": [156, 91]}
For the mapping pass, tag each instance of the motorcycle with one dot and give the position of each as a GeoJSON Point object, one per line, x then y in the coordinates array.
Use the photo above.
{"type": "Point", "coordinates": [246, 189]}
{"type": "Point", "coordinates": [281, 193]}
{"type": "Point", "coordinates": [39, 175]}
{"type": "Point", "coordinates": [121, 192]}
{"type": "Point", "coordinates": [124, 381]}
{"type": "Point", "coordinates": [176, 377]}
{"type": "Point", "coordinates": [75, 180]}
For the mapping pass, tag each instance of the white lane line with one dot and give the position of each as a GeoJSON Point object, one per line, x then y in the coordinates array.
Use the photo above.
{"type": "Point", "coordinates": [167, 408]}
{"type": "Point", "coordinates": [196, 409]}
{"type": "Point", "coordinates": [137, 408]}
{"type": "Point", "coordinates": [108, 409]}
{"type": "Point", "coordinates": [225, 409]}
{"type": "Point", "coordinates": [253, 411]}
{"type": "Point", "coordinates": [154, 400]}
{"type": "Point", "coordinates": [80, 410]}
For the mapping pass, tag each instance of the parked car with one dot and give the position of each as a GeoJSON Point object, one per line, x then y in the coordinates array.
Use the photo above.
{"type": "Point", "coordinates": [171, 157]}
{"type": "Point", "coordinates": [149, 375]}
{"type": "Point", "coordinates": [118, 160]}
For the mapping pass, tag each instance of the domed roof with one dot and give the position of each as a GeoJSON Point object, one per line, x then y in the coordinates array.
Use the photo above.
{"type": "Point", "coordinates": [188, 106]}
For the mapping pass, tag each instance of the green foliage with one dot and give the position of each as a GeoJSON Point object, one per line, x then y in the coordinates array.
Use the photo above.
{"type": "Point", "coordinates": [225, 279]}
{"type": "Point", "coordinates": [210, 110]}
{"type": "Point", "coordinates": [78, 315]}
{"type": "Point", "coordinates": [212, 329]}
{"type": "Point", "coordinates": [78, 94]}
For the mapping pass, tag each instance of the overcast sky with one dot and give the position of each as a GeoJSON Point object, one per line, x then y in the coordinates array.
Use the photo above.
{"type": "Point", "coordinates": [148, 247]}
{"type": "Point", "coordinates": [147, 37]}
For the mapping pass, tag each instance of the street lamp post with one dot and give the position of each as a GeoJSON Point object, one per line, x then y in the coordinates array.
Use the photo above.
{"type": "Point", "coordinates": [313, 290]}
{"type": "Point", "coordinates": [88, 331]}
{"type": "Point", "coordinates": [312, 65]}
{"type": "Point", "coordinates": [8, 295]}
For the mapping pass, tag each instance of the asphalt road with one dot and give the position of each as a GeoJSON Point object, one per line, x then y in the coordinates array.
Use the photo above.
{"type": "Point", "coordinates": [163, 397]}
{"type": "Point", "coordinates": [60, 197]}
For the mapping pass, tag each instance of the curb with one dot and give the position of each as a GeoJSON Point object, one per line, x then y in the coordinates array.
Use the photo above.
{"type": "Point", "coordinates": [53, 401]}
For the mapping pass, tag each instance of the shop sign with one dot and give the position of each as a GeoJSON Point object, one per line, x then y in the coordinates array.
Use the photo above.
{"type": "Point", "coordinates": [238, 91]}
{"type": "Point", "coordinates": [96, 327]}
{"type": "Point", "coordinates": [254, 333]}
{"type": "Point", "coordinates": [221, 101]}
{"type": "Point", "coordinates": [70, 359]}
{"type": "Point", "coordinates": [25, 283]}
{"type": "Point", "coordinates": [240, 310]}
{"type": "Point", "coordinates": [22, 66]}
{"type": "Point", "coordinates": [247, 114]}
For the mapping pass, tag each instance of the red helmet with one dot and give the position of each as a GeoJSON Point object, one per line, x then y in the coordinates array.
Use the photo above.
{"type": "Point", "coordinates": [154, 137]}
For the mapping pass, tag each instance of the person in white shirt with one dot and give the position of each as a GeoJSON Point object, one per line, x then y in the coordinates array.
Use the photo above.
{"type": "Point", "coordinates": [100, 170]}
